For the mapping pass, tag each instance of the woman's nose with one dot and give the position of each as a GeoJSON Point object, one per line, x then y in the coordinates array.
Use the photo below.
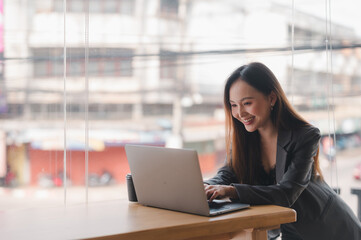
{"type": "Point", "coordinates": [240, 111]}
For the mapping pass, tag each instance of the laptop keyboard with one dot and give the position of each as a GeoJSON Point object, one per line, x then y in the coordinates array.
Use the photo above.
{"type": "Point", "coordinates": [218, 206]}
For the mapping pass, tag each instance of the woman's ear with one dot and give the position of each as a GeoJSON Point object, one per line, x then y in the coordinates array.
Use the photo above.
{"type": "Point", "coordinates": [272, 98]}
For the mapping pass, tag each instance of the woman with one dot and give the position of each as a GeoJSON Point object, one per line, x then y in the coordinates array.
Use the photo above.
{"type": "Point", "coordinates": [272, 158]}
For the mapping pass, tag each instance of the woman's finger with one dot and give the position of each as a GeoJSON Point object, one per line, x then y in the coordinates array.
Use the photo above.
{"type": "Point", "coordinates": [209, 192]}
{"type": "Point", "coordinates": [213, 196]}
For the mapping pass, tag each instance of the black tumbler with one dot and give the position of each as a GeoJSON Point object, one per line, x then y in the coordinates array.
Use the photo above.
{"type": "Point", "coordinates": [132, 196]}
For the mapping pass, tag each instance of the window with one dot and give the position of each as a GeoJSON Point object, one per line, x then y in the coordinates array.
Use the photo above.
{"type": "Point", "coordinates": [307, 36]}
{"type": "Point", "coordinates": [152, 74]}
{"type": "Point", "coordinates": [169, 7]}
{"type": "Point", "coordinates": [168, 65]}
{"type": "Point", "coordinates": [102, 62]}
{"type": "Point", "coordinates": [16, 110]}
{"type": "Point", "coordinates": [124, 7]}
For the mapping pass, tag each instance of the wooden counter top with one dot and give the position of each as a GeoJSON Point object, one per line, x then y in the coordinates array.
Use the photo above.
{"type": "Point", "coordinates": [119, 219]}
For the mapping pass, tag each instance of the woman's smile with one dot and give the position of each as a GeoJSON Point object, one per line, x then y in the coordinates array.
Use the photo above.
{"type": "Point", "coordinates": [248, 120]}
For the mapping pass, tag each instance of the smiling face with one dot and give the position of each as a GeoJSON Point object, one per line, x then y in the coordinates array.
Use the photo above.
{"type": "Point", "coordinates": [250, 106]}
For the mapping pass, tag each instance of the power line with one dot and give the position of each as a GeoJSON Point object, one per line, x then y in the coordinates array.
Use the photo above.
{"type": "Point", "coordinates": [300, 48]}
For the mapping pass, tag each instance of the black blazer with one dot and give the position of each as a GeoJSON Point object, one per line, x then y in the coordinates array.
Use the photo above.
{"type": "Point", "coordinates": [321, 213]}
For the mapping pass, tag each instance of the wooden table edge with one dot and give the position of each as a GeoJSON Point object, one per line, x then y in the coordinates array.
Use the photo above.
{"type": "Point", "coordinates": [204, 229]}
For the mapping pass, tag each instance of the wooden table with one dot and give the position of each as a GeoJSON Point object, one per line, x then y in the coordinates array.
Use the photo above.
{"type": "Point", "coordinates": [120, 219]}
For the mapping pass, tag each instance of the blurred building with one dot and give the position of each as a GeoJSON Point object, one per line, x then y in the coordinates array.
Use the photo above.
{"type": "Point", "coordinates": [143, 55]}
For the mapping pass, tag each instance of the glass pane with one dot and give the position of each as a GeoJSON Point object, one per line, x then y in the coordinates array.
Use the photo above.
{"type": "Point", "coordinates": [159, 80]}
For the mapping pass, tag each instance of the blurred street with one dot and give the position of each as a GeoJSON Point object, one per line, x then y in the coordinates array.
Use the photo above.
{"type": "Point", "coordinates": [345, 163]}
{"type": "Point", "coordinates": [34, 197]}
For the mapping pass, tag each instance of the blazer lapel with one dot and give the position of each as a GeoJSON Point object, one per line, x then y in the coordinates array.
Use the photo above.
{"type": "Point", "coordinates": [284, 137]}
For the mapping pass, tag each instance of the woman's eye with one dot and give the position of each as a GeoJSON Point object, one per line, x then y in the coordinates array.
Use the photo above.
{"type": "Point", "coordinates": [246, 103]}
{"type": "Point", "coordinates": [233, 105]}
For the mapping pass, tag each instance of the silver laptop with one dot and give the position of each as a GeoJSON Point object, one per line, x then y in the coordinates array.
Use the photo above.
{"type": "Point", "coordinates": [171, 179]}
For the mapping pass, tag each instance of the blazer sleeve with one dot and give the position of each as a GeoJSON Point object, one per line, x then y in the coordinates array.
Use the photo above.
{"type": "Point", "coordinates": [224, 176]}
{"type": "Point", "coordinates": [296, 178]}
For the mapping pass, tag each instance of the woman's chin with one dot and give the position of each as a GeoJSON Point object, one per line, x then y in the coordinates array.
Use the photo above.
{"type": "Point", "coordinates": [250, 128]}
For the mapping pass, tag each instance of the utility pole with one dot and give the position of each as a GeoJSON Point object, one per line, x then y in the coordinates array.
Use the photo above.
{"type": "Point", "coordinates": [176, 140]}
{"type": "Point", "coordinates": [137, 112]}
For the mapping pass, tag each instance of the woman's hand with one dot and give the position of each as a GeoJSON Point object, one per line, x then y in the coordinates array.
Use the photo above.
{"type": "Point", "coordinates": [219, 191]}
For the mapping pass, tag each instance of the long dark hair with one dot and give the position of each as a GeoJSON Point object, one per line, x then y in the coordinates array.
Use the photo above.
{"type": "Point", "coordinates": [243, 147]}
